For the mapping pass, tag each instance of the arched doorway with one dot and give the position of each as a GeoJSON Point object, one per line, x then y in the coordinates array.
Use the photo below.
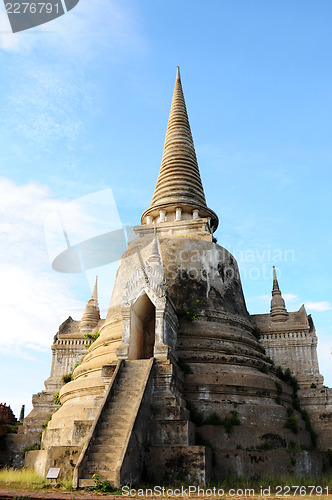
{"type": "Point", "coordinates": [142, 329]}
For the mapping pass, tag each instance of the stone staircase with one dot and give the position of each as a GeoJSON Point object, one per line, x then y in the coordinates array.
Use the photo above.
{"type": "Point", "coordinates": [109, 438]}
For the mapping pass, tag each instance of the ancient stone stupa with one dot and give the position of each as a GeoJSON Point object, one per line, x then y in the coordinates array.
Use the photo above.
{"type": "Point", "coordinates": [182, 383]}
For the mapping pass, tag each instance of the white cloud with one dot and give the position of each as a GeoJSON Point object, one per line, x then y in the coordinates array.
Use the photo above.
{"type": "Point", "coordinates": [289, 297]}
{"type": "Point", "coordinates": [318, 306]}
{"type": "Point", "coordinates": [34, 299]}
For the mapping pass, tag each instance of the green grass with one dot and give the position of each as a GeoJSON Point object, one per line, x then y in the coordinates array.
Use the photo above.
{"type": "Point", "coordinates": [27, 479]}
{"type": "Point", "coordinates": [24, 476]}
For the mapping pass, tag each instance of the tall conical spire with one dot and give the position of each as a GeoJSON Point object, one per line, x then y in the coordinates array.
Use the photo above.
{"type": "Point", "coordinates": [179, 187]}
{"type": "Point", "coordinates": [154, 258]}
{"type": "Point", "coordinates": [94, 294]}
{"type": "Point", "coordinates": [91, 314]}
{"type": "Point", "coordinates": [278, 308]}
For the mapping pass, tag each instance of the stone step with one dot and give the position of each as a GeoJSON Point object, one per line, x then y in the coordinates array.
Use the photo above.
{"type": "Point", "coordinates": [112, 422]}
{"type": "Point", "coordinates": [122, 412]}
{"type": "Point", "coordinates": [119, 420]}
{"type": "Point", "coordinates": [106, 448]}
{"type": "Point", "coordinates": [114, 431]}
{"type": "Point", "coordinates": [130, 374]}
{"type": "Point", "coordinates": [124, 401]}
{"type": "Point", "coordinates": [106, 475]}
{"type": "Point", "coordinates": [105, 452]}
{"type": "Point", "coordinates": [117, 414]}
{"type": "Point", "coordinates": [107, 435]}
{"type": "Point", "coordinates": [92, 467]}
{"type": "Point", "coordinates": [125, 394]}
{"type": "Point", "coordinates": [131, 377]}
{"type": "Point", "coordinates": [134, 366]}
{"type": "Point", "coordinates": [110, 437]}
{"type": "Point", "coordinates": [118, 405]}
{"type": "Point", "coordinates": [108, 459]}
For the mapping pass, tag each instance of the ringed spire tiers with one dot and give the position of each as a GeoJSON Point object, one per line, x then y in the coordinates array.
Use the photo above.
{"type": "Point", "coordinates": [278, 308]}
{"type": "Point", "coordinates": [91, 314]}
{"type": "Point", "coordinates": [179, 193]}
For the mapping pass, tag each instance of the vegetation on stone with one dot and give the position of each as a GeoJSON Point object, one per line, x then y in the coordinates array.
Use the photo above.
{"type": "Point", "coordinates": [190, 313]}
{"type": "Point", "coordinates": [68, 377]}
{"type": "Point", "coordinates": [195, 416]}
{"type": "Point", "coordinates": [102, 486]}
{"type": "Point", "coordinates": [92, 337]}
{"type": "Point", "coordinates": [228, 422]}
{"type": "Point", "coordinates": [278, 387]}
{"type": "Point", "coordinates": [309, 428]}
{"type": "Point", "coordinates": [57, 399]}
{"type": "Point", "coordinates": [231, 421]}
{"type": "Point", "coordinates": [291, 422]}
{"type": "Point", "coordinates": [46, 422]}
{"type": "Point", "coordinates": [35, 446]}
{"type": "Point", "coordinates": [213, 419]}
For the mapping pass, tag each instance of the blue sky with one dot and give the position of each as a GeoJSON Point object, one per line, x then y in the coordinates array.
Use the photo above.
{"type": "Point", "coordinates": [84, 105]}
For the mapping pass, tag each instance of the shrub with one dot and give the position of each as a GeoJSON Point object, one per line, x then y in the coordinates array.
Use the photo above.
{"type": "Point", "coordinates": [291, 422]}
{"type": "Point", "coordinates": [35, 446]}
{"type": "Point", "coordinates": [190, 314]}
{"type": "Point", "coordinates": [56, 399]}
{"type": "Point", "coordinates": [309, 428]}
{"type": "Point", "coordinates": [46, 422]}
{"type": "Point", "coordinates": [231, 421]}
{"type": "Point", "coordinates": [92, 337]}
{"type": "Point", "coordinates": [195, 416]}
{"type": "Point", "coordinates": [278, 387]}
{"type": "Point", "coordinates": [102, 486]}
{"type": "Point", "coordinates": [293, 446]}
{"type": "Point", "coordinates": [68, 377]}
{"type": "Point", "coordinates": [213, 419]}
